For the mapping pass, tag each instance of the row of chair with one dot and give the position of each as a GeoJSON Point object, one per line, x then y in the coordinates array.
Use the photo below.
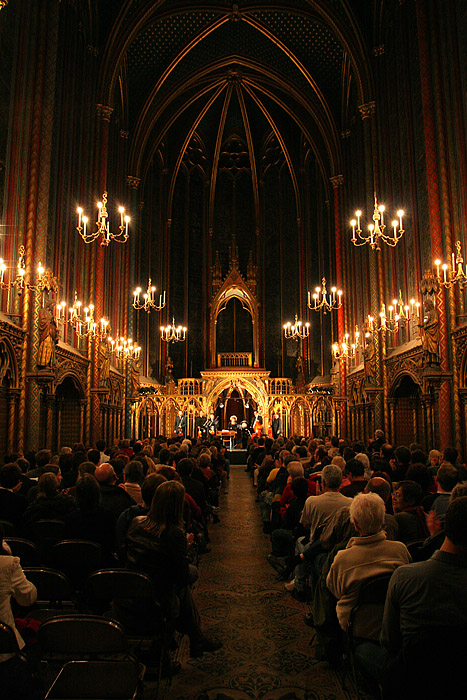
{"type": "Point", "coordinates": [85, 656]}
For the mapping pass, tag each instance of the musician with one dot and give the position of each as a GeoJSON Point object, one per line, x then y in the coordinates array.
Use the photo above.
{"type": "Point", "coordinates": [276, 426]}
{"type": "Point", "coordinates": [257, 423]}
{"type": "Point", "coordinates": [233, 425]}
{"type": "Point", "coordinates": [180, 425]}
{"type": "Point", "coordinates": [212, 424]}
{"type": "Point", "coordinates": [246, 432]}
{"type": "Point", "coordinates": [200, 425]}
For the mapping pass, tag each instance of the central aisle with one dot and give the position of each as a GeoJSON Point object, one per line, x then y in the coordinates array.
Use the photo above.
{"type": "Point", "coordinates": [266, 652]}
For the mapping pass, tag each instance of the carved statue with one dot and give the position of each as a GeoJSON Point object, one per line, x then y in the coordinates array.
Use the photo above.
{"type": "Point", "coordinates": [300, 383]}
{"type": "Point", "coordinates": [369, 362]}
{"type": "Point", "coordinates": [104, 363]}
{"type": "Point", "coordinates": [48, 337]}
{"type": "Point", "coordinates": [429, 332]}
{"type": "Point", "coordinates": [168, 370]}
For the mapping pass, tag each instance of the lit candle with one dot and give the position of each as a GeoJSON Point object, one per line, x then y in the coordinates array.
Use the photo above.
{"type": "Point", "coordinates": [127, 221]}
{"type": "Point", "coordinates": [437, 264]}
{"type": "Point", "coordinates": [400, 214]}
{"type": "Point", "coordinates": [2, 270]}
{"type": "Point", "coordinates": [353, 223]}
{"type": "Point", "coordinates": [85, 221]}
{"type": "Point", "coordinates": [453, 263]}
{"type": "Point", "coordinates": [394, 226]}
{"type": "Point", "coordinates": [358, 214]}
{"type": "Point", "coordinates": [445, 271]}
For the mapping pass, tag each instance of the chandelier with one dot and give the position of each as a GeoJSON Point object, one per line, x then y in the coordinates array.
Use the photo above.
{"type": "Point", "coordinates": [347, 348]}
{"type": "Point", "coordinates": [173, 333]}
{"type": "Point", "coordinates": [124, 349]}
{"type": "Point", "coordinates": [456, 274]}
{"type": "Point", "coordinates": [324, 300]}
{"type": "Point", "coordinates": [377, 229]}
{"type": "Point", "coordinates": [296, 330]}
{"type": "Point", "coordinates": [103, 225]}
{"type": "Point", "coordinates": [19, 280]}
{"type": "Point", "coordinates": [397, 312]}
{"type": "Point", "coordinates": [149, 299]}
{"type": "Point", "coordinates": [83, 323]}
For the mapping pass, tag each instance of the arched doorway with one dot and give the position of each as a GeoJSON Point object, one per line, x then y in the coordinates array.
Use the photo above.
{"type": "Point", "coordinates": [408, 417]}
{"type": "Point", "coordinates": [69, 423]}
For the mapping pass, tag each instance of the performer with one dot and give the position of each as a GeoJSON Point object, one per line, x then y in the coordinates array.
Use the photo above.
{"type": "Point", "coordinates": [257, 423]}
{"type": "Point", "coordinates": [180, 425]}
{"type": "Point", "coordinates": [245, 434]}
{"type": "Point", "coordinates": [276, 426]}
{"type": "Point", "coordinates": [200, 425]}
{"type": "Point", "coordinates": [212, 424]}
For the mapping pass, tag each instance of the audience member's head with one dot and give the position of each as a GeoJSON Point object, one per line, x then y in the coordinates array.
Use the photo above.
{"type": "Point", "coordinates": [100, 445]}
{"type": "Point", "coordinates": [148, 489]}
{"type": "Point", "coordinates": [299, 487]}
{"type": "Point", "coordinates": [417, 456]}
{"type": "Point", "coordinates": [339, 461]}
{"type": "Point", "coordinates": [455, 524]}
{"type": "Point", "coordinates": [408, 494]}
{"type": "Point", "coordinates": [421, 474]}
{"type": "Point", "coordinates": [447, 477]}
{"type": "Point", "coordinates": [367, 513]}
{"type": "Point", "coordinates": [185, 467]}
{"type": "Point", "coordinates": [87, 494]}
{"type": "Point", "coordinates": [380, 486]}
{"type": "Point", "coordinates": [331, 477]}
{"type": "Point", "coordinates": [133, 472]}
{"type": "Point", "coordinates": [355, 469]}
{"type": "Point", "coordinates": [43, 457]}
{"type": "Point", "coordinates": [94, 456]}
{"type": "Point", "coordinates": [10, 477]}
{"type": "Point", "coordinates": [450, 455]}
{"type": "Point", "coordinates": [87, 468]}
{"type": "Point", "coordinates": [295, 469]}
{"type": "Point", "coordinates": [105, 474]}
{"type": "Point", "coordinates": [435, 457]}
{"type": "Point", "coordinates": [48, 485]}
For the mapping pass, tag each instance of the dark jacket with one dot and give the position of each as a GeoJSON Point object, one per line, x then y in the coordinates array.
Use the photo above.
{"type": "Point", "coordinates": [115, 499]}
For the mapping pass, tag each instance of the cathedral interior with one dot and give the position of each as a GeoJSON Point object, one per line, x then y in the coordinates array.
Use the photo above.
{"type": "Point", "coordinates": [239, 138]}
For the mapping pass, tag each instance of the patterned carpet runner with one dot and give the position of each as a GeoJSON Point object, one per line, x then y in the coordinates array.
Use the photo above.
{"type": "Point", "coordinates": [266, 652]}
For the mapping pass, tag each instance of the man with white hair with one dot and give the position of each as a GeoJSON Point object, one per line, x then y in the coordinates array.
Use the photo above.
{"type": "Point", "coordinates": [366, 556]}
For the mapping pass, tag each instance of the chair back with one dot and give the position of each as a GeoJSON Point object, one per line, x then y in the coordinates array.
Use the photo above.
{"type": "Point", "coordinates": [369, 607]}
{"type": "Point", "coordinates": [96, 680]}
{"type": "Point", "coordinates": [131, 597]}
{"type": "Point", "coordinates": [27, 551]}
{"type": "Point", "coordinates": [46, 533]}
{"type": "Point", "coordinates": [8, 528]}
{"type": "Point", "coordinates": [53, 586]}
{"type": "Point", "coordinates": [82, 636]}
{"type": "Point", "coordinates": [77, 559]}
{"type": "Point", "coordinates": [414, 548]}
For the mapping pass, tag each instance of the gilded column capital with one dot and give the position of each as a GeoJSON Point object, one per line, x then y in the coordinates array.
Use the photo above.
{"type": "Point", "coordinates": [367, 110]}
{"type": "Point", "coordinates": [124, 134]}
{"type": "Point", "coordinates": [337, 181]}
{"type": "Point", "coordinates": [133, 181]}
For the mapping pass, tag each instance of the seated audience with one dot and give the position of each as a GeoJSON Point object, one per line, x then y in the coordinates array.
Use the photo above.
{"type": "Point", "coordinates": [113, 498]}
{"type": "Point", "coordinates": [406, 502]}
{"type": "Point", "coordinates": [158, 545]}
{"type": "Point", "coordinates": [355, 470]}
{"type": "Point", "coordinates": [425, 608]}
{"type": "Point", "coordinates": [49, 503]}
{"type": "Point", "coordinates": [12, 503]}
{"type": "Point", "coordinates": [366, 556]}
{"type": "Point", "coordinates": [132, 480]}
{"type": "Point", "coordinates": [15, 678]}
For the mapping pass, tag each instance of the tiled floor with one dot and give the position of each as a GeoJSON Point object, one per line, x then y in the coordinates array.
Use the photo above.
{"type": "Point", "coordinates": [266, 652]}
